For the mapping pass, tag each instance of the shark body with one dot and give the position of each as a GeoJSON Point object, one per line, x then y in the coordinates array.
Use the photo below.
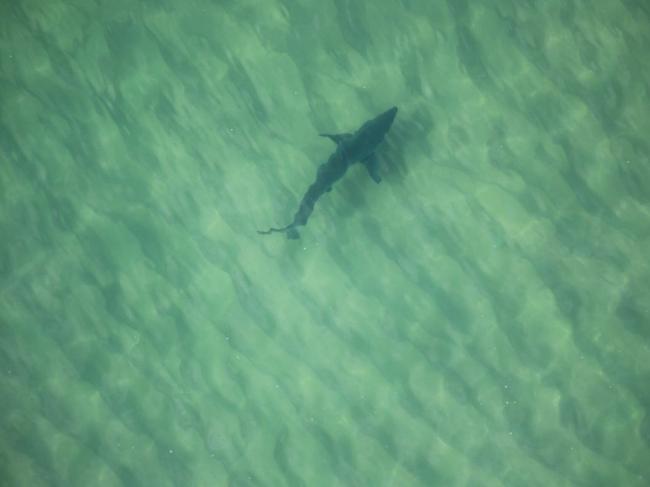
{"type": "Point", "coordinates": [354, 147]}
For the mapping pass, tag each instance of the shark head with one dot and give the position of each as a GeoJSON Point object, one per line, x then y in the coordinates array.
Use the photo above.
{"type": "Point", "coordinates": [386, 118]}
{"type": "Point", "coordinates": [370, 135]}
{"type": "Point", "coordinates": [381, 123]}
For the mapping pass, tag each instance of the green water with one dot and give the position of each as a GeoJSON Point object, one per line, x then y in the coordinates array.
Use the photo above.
{"type": "Point", "coordinates": [480, 318]}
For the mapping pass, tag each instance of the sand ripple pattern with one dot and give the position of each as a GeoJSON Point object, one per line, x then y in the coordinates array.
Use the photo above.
{"type": "Point", "coordinates": [480, 318]}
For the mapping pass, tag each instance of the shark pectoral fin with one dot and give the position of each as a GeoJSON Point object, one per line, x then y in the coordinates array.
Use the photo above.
{"type": "Point", "coordinates": [372, 165]}
{"type": "Point", "coordinates": [337, 138]}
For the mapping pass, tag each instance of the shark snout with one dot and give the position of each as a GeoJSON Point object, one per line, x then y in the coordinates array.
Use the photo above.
{"type": "Point", "coordinates": [386, 118]}
{"type": "Point", "coordinates": [390, 114]}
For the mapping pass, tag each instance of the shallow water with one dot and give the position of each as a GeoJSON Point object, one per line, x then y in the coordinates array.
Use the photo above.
{"type": "Point", "coordinates": [479, 318]}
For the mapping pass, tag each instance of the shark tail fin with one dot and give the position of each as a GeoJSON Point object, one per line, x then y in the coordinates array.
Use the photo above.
{"type": "Point", "coordinates": [290, 230]}
{"type": "Point", "coordinates": [292, 233]}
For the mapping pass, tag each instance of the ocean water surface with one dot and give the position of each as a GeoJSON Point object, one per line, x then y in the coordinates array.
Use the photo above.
{"type": "Point", "coordinates": [480, 318]}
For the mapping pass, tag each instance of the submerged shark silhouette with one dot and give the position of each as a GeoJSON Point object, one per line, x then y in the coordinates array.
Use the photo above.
{"type": "Point", "coordinates": [350, 148]}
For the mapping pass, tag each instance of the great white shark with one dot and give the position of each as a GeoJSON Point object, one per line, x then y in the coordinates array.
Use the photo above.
{"type": "Point", "coordinates": [359, 146]}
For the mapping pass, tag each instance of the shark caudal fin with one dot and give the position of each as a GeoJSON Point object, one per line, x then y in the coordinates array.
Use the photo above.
{"type": "Point", "coordinates": [290, 230]}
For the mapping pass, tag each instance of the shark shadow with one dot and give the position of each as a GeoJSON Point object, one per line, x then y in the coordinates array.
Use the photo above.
{"type": "Point", "coordinates": [354, 147]}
